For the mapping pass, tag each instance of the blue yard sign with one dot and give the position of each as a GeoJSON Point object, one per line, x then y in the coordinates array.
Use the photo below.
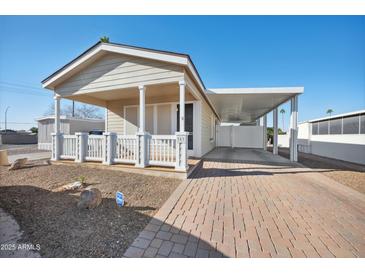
{"type": "Point", "coordinates": [119, 197]}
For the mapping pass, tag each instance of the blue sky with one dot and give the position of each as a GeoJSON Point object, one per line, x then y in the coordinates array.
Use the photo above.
{"type": "Point", "coordinates": [324, 54]}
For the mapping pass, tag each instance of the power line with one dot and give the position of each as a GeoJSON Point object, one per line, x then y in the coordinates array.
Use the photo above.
{"type": "Point", "coordinates": [25, 93]}
{"type": "Point", "coordinates": [29, 88]}
{"type": "Point", "coordinates": [18, 123]}
{"type": "Point", "coordinates": [21, 85]}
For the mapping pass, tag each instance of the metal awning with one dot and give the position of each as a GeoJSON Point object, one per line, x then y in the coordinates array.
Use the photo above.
{"type": "Point", "coordinates": [245, 105]}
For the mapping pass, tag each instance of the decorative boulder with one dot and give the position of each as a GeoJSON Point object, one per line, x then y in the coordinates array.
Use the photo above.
{"type": "Point", "coordinates": [89, 198]}
{"type": "Point", "coordinates": [18, 164]}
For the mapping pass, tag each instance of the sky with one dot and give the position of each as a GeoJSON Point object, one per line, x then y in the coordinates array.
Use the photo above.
{"type": "Point", "coordinates": [324, 54]}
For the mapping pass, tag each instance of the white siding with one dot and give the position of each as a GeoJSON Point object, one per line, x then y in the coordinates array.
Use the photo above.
{"type": "Point", "coordinates": [206, 143]}
{"type": "Point", "coordinates": [115, 71]}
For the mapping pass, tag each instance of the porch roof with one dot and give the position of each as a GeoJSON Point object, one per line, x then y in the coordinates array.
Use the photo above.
{"type": "Point", "coordinates": [238, 105]}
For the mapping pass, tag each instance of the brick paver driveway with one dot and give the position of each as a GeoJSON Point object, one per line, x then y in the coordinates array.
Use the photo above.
{"type": "Point", "coordinates": [256, 210]}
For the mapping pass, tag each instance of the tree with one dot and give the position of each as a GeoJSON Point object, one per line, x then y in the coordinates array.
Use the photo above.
{"type": "Point", "coordinates": [282, 111]}
{"type": "Point", "coordinates": [81, 111]}
{"type": "Point", "coordinates": [270, 133]}
{"type": "Point", "coordinates": [34, 129]}
{"type": "Point", "coordinates": [104, 39]}
{"type": "Point", "coordinates": [329, 111]}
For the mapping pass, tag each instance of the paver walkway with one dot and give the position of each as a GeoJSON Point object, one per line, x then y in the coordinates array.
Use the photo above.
{"type": "Point", "coordinates": [240, 209]}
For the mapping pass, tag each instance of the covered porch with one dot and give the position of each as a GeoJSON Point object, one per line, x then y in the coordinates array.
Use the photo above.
{"type": "Point", "coordinates": [140, 141]}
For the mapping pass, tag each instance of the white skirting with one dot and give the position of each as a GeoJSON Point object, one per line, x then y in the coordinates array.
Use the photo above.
{"type": "Point", "coordinates": [45, 146]}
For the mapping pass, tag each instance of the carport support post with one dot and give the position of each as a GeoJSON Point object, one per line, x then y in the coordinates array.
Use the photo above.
{"type": "Point", "coordinates": [275, 125]}
{"type": "Point", "coordinates": [294, 128]}
{"type": "Point", "coordinates": [264, 122]}
{"type": "Point", "coordinates": [56, 136]}
{"type": "Point", "coordinates": [142, 135]}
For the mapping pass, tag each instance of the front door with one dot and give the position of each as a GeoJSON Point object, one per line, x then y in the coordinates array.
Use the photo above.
{"type": "Point", "coordinates": [188, 123]}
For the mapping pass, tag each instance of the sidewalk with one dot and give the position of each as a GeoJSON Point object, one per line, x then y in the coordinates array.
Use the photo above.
{"type": "Point", "coordinates": [30, 156]}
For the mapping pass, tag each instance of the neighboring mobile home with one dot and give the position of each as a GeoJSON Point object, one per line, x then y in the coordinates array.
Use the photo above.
{"type": "Point", "coordinates": [158, 111]}
{"type": "Point", "coordinates": [339, 136]}
{"type": "Point", "coordinates": [68, 125]}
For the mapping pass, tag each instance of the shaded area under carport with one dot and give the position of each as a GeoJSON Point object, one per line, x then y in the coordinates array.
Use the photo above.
{"type": "Point", "coordinates": [253, 155]}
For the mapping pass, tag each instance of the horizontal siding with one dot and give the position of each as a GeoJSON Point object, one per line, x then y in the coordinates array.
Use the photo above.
{"type": "Point", "coordinates": [206, 115]}
{"type": "Point", "coordinates": [115, 71]}
{"type": "Point", "coordinates": [115, 117]}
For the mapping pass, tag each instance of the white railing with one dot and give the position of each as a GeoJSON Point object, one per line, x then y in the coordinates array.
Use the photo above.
{"type": "Point", "coordinates": [126, 149]}
{"type": "Point", "coordinates": [68, 147]}
{"type": "Point", "coordinates": [141, 150]}
{"type": "Point", "coordinates": [95, 148]}
{"type": "Point", "coordinates": [162, 150]}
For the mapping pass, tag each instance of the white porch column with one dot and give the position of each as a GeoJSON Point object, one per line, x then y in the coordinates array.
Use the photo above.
{"type": "Point", "coordinates": [142, 106]}
{"type": "Point", "coordinates": [182, 106]}
{"type": "Point", "coordinates": [293, 129]}
{"type": "Point", "coordinates": [142, 148]}
{"type": "Point", "coordinates": [81, 146]}
{"type": "Point", "coordinates": [109, 147]}
{"type": "Point", "coordinates": [264, 124]}
{"type": "Point", "coordinates": [106, 120]}
{"type": "Point", "coordinates": [57, 136]}
{"type": "Point", "coordinates": [182, 136]}
{"type": "Point", "coordinates": [275, 125]}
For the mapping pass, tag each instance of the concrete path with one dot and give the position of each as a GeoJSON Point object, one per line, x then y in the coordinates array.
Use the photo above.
{"type": "Point", "coordinates": [10, 239]}
{"type": "Point", "coordinates": [30, 156]}
{"type": "Point", "coordinates": [245, 154]}
{"type": "Point", "coordinates": [237, 209]}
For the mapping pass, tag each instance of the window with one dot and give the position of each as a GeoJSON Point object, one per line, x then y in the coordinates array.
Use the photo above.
{"type": "Point", "coordinates": [323, 127]}
{"type": "Point", "coordinates": [351, 125]}
{"type": "Point", "coordinates": [335, 126]}
{"type": "Point", "coordinates": [315, 128]}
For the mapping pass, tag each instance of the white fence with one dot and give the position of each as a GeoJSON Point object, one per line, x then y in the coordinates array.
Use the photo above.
{"type": "Point", "coordinates": [162, 150]}
{"type": "Point", "coordinates": [95, 148]}
{"type": "Point", "coordinates": [240, 136]}
{"type": "Point", "coordinates": [126, 148]}
{"type": "Point", "coordinates": [69, 148]}
{"type": "Point", "coordinates": [141, 150]}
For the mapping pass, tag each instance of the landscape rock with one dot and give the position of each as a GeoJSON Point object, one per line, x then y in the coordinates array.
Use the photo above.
{"type": "Point", "coordinates": [71, 187]}
{"type": "Point", "coordinates": [18, 164]}
{"type": "Point", "coordinates": [89, 198]}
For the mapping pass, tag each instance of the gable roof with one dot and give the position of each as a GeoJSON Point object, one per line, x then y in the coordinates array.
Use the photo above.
{"type": "Point", "coordinates": [159, 55]}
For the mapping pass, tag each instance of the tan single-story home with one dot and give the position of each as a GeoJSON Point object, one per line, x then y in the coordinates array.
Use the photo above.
{"type": "Point", "coordinates": [158, 110]}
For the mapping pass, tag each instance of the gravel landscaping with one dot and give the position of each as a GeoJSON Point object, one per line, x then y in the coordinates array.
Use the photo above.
{"type": "Point", "coordinates": [51, 218]}
{"type": "Point", "coordinates": [346, 173]}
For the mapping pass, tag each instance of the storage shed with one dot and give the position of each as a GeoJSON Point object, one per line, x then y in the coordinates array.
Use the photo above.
{"type": "Point", "coordinates": [69, 125]}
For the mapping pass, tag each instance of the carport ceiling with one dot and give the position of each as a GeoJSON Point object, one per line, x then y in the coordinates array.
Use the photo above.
{"type": "Point", "coordinates": [243, 105]}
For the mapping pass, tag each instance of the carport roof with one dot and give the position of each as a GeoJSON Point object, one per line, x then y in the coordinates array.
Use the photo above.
{"type": "Point", "coordinates": [243, 105]}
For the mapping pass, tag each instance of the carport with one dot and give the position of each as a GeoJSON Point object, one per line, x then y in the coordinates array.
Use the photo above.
{"type": "Point", "coordinates": [247, 106]}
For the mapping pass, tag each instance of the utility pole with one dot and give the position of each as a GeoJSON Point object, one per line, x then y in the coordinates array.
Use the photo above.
{"type": "Point", "coordinates": [73, 108]}
{"type": "Point", "coordinates": [6, 118]}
